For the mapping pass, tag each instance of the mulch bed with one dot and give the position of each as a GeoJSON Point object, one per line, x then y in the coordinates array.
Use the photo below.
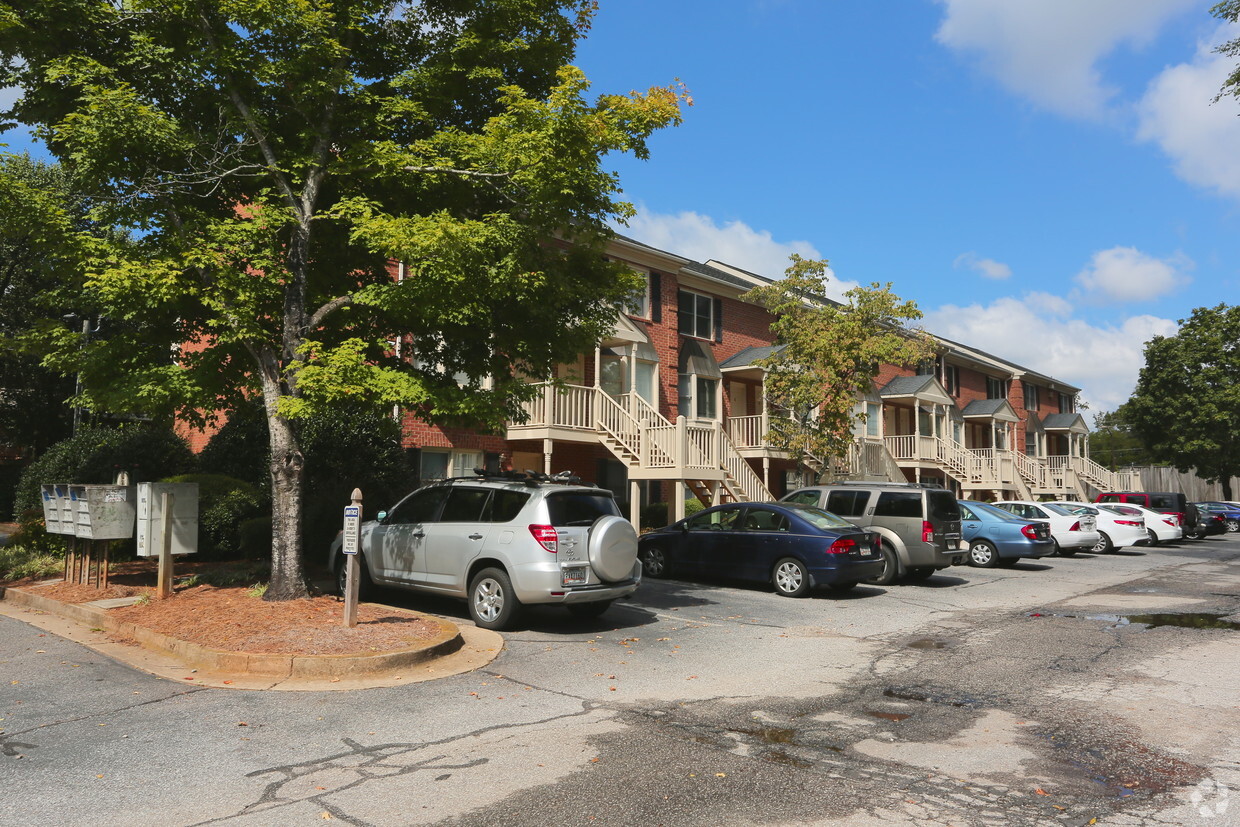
{"type": "Point", "coordinates": [231, 619]}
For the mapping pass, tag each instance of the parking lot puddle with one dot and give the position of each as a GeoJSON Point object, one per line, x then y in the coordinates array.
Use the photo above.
{"type": "Point", "coordinates": [1190, 620]}
{"type": "Point", "coordinates": [889, 716]}
{"type": "Point", "coordinates": [927, 643]}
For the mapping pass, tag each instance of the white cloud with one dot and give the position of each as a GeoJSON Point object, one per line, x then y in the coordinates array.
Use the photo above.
{"type": "Point", "coordinates": [1048, 50]}
{"type": "Point", "coordinates": [698, 237]}
{"type": "Point", "coordinates": [1035, 332]}
{"type": "Point", "coordinates": [1125, 274]}
{"type": "Point", "coordinates": [1199, 138]}
{"type": "Point", "coordinates": [988, 267]}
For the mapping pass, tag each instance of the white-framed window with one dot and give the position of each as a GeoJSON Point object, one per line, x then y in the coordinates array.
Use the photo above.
{"type": "Point", "coordinates": [873, 419]}
{"type": "Point", "coordinates": [996, 388]}
{"type": "Point", "coordinates": [1067, 403]}
{"type": "Point", "coordinates": [697, 315]}
{"type": "Point", "coordinates": [639, 303]}
{"type": "Point", "coordinates": [699, 396]}
{"type": "Point", "coordinates": [951, 379]}
{"type": "Point", "coordinates": [438, 464]}
{"type": "Point", "coordinates": [1031, 395]}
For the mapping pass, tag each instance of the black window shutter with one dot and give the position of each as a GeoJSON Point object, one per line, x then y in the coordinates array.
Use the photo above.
{"type": "Point", "coordinates": [656, 297]}
{"type": "Point", "coordinates": [718, 320]}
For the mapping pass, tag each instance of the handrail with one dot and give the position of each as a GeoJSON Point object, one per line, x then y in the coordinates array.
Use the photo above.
{"type": "Point", "coordinates": [751, 486]}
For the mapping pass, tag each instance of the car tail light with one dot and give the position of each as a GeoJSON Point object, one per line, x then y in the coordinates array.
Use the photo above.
{"type": "Point", "coordinates": [842, 546]}
{"type": "Point", "coordinates": [927, 532]}
{"type": "Point", "coordinates": [546, 537]}
{"type": "Point", "coordinates": [1076, 526]}
{"type": "Point", "coordinates": [1030, 531]}
{"type": "Point", "coordinates": [1171, 521]}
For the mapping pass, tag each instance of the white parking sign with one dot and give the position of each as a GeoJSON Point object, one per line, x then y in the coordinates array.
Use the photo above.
{"type": "Point", "coordinates": [352, 527]}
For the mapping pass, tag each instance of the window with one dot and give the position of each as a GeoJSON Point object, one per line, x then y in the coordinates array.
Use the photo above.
{"type": "Point", "coordinates": [464, 505]}
{"type": "Point", "coordinates": [847, 503]}
{"type": "Point", "coordinates": [639, 303]}
{"type": "Point", "coordinates": [951, 379]}
{"type": "Point", "coordinates": [1067, 403]}
{"type": "Point", "coordinates": [418, 508]}
{"type": "Point", "coordinates": [611, 376]}
{"type": "Point", "coordinates": [699, 396]}
{"type": "Point", "coordinates": [873, 419]}
{"type": "Point", "coordinates": [1031, 443]}
{"type": "Point", "coordinates": [438, 465]}
{"type": "Point", "coordinates": [647, 381]}
{"type": "Point", "coordinates": [505, 506]}
{"type": "Point", "coordinates": [967, 514]}
{"type": "Point", "coordinates": [898, 504]}
{"type": "Point", "coordinates": [763, 520]}
{"type": "Point", "coordinates": [699, 316]}
{"type": "Point", "coordinates": [1031, 395]}
{"type": "Point", "coordinates": [803, 498]}
{"type": "Point", "coordinates": [996, 388]}
{"type": "Point", "coordinates": [574, 508]}
{"type": "Point", "coordinates": [721, 520]}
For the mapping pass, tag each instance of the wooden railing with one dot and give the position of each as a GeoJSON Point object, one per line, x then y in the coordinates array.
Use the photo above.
{"type": "Point", "coordinates": [751, 486]}
{"type": "Point", "coordinates": [748, 431]}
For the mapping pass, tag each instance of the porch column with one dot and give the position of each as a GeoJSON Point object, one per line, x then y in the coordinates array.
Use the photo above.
{"type": "Point", "coordinates": [678, 500]}
{"type": "Point", "coordinates": [766, 472]}
{"type": "Point", "coordinates": [547, 446]}
{"type": "Point", "coordinates": [598, 366]}
{"type": "Point", "coordinates": [635, 504]}
{"type": "Point", "coordinates": [716, 493]}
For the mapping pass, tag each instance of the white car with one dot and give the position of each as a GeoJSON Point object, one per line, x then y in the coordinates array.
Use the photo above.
{"type": "Point", "coordinates": [1159, 527]}
{"type": "Point", "coordinates": [1071, 532]}
{"type": "Point", "coordinates": [1115, 530]}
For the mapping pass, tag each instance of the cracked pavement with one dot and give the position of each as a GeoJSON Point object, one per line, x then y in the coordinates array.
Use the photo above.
{"type": "Point", "coordinates": [991, 697]}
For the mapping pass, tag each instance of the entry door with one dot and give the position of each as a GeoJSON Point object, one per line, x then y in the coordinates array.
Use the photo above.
{"type": "Point", "coordinates": [456, 538]}
{"type": "Point", "coordinates": [397, 543]}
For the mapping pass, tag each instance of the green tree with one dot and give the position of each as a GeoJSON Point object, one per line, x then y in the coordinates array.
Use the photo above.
{"type": "Point", "coordinates": [1113, 442]}
{"type": "Point", "coordinates": [1186, 406]}
{"type": "Point", "coordinates": [40, 206]}
{"type": "Point", "coordinates": [272, 160]}
{"type": "Point", "coordinates": [829, 355]}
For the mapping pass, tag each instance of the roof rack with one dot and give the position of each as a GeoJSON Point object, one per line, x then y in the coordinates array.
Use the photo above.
{"type": "Point", "coordinates": [527, 477]}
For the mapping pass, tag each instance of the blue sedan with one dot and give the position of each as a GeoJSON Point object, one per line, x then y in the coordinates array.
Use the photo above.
{"type": "Point", "coordinates": [998, 537]}
{"type": "Point", "coordinates": [1230, 513]}
{"type": "Point", "coordinates": [795, 548]}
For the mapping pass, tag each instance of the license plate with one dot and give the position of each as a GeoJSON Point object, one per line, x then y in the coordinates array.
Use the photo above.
{"type": "Point", "coordinates": [574, 576]}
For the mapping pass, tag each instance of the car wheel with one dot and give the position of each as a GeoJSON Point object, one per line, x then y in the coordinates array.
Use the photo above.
{"type": "Point", "coordinates": [983, 555]}
{"type": "Point", "coordinates": [920, 572]}
{"type": "Point", "coordinates": [1063, 552]}
{"type": "Point", "coordinates": [655, 562]}
{"type": "Point", "coordinates": [365, 586]}
{"type": "Point", "coordinates": [1233, 525]}
{"type": "Point", "coordinates": [790, 578]}
{"type": "Point", "coordinates": [588, 611]}
{"type": "Point", "coordinates": [842, 587]}
{"type": "Point", "coordinates": [891, 568]}
{"type": "Point", "coordinates": [1153, 537]}
{"type": "Point", "coordinates": [492, 603]}
{"type": "Point", "coordinates": [1104, 544]}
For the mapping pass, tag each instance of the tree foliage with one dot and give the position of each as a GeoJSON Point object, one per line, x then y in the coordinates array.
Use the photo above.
{"type": "Point", "coordinates": [829, 355]}
{"type": "Point", "coordinates": [270, 160]}
{"type": "Point", "coordinates": [1186, 406]}
{"type": "Point", "coordinates": [1113, 442]}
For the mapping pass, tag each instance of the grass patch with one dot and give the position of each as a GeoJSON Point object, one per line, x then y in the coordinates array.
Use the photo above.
{"type": "Point", "coordinates": [18, 563]}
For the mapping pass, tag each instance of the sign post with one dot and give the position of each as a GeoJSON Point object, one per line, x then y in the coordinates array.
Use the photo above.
{"type": "Point", "coordinates": [164, 581]}
{"type": "Point", "coordinates": [349, 541]}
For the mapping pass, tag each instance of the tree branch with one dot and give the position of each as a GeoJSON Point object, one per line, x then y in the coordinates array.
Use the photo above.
{"type": "Point", "coordinates": [335, 304]}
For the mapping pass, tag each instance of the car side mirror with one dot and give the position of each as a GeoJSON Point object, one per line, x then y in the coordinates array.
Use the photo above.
{"type": "Point", "coordinates": [381, 516]}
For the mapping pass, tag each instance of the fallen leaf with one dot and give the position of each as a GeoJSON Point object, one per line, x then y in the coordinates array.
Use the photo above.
{"type": "Point", "coordinates": [1041, 791]}
{"type": "Point", "coordinates": [1058, 807]}
{"type": "Point", "coordinates": [721, 775]}
{"type": "Point", "coordinates": [227, 682]}
{"type": "Point", "coordinates": [242, 723]}
{"type": "Point", "coordinates": [326, 816]}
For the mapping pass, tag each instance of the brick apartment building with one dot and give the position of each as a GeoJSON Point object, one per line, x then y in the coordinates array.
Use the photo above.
{"type": "Point", "coordinates": [671, 405]}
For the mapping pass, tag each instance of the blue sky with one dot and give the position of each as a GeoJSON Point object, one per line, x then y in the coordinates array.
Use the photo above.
{"type": "Point", "coordinates": [1048, 179]}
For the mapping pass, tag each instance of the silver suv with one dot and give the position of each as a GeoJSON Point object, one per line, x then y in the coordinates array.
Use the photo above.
{"type": "Point", "coordinates": [920, 524]}
{"type": "Point", "coordinates": [501, 542]}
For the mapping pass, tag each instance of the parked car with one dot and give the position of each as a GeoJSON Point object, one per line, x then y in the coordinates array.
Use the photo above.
{"type": "Point", "coordinates": [1168, 502]}
{"type": "Point", "coordinates": [997, 537]}
{"type": "Point", "coordinates": [920, 524]}
{"type": "Point", "coordinates": [1208, 524]}
{"type": "Point", "coordinates": [1115, 530]}
{"type": "Point", "coordinates": [1229, 511]}
{"type": "Point", "coordinates": [501, 542]}
{"type": "Point", "coordinates": [793, 547]}
{"type": "Point", "coordinates": [1159, 527]}
{"type": "Point", "coordinates": [1070, 532]}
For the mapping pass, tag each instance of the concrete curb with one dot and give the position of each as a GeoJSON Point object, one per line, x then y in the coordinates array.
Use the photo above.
{"type": "Point", "coordinates": [451, 651]}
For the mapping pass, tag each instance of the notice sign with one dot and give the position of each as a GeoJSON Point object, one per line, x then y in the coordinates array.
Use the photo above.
{"type": "Point", "coordinates": [352, 528]}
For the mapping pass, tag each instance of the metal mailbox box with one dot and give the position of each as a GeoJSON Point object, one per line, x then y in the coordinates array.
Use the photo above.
{"type": "Point", "coordinates": [101, 512]}
{"type": "Point", "coordinates": [57, 514]}
{"type": "Point", "coordinates": [184, 517]}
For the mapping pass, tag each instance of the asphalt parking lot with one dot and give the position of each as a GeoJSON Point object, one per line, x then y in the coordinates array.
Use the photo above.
{"type": "Point", "coordinates": [1049, 693]}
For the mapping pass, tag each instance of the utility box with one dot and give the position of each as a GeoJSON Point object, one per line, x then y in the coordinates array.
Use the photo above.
{"type": "Point", "coordinates": [184, 517]}
{"type": "Point", "coordinates": [57, 513]}
{"type": "Point", "coordinates": [102, 512]}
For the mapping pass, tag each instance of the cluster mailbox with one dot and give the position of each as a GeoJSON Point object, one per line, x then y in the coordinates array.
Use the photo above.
{"type": "Point", "coordinates": [182, 520]}
{"type": "Point", "coordinates": [57, 510]}
{"type": "Point", "coordinates": [100, 512]}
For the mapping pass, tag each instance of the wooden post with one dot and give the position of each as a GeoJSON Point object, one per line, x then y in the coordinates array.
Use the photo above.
{"type": "Point", "coordinates": [164, 587]}
{"type": "Point", "coordinates": [349, 545]}
{"type": "Point", "coordinates": [103, 571]}
{"type": "Point", "coordinates": [70, 554]}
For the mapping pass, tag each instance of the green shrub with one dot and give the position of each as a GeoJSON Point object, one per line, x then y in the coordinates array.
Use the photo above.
{"type": "Point", "coordinates": [32, 534]}
{"type": "Point", "coordinates": [95, 455]}
{"type": "Point", "coordinates": [654, 515]}
{"type": "Point", "coordinates": [224, 503]}
{"type": "Point", "coordinates": [693, 506]}
{"type": "Point", "coordinates": [255, 537]}
{"type": "Point", "coordinates": [18, 562]}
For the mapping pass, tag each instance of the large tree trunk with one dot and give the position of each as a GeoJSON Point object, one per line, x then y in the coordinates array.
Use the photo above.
{"type": "Point", "coordinates": [288, 472]}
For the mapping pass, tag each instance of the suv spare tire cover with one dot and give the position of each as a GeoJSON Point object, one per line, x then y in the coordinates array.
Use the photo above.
{"type": "Point", "coordinates": [613, 547]}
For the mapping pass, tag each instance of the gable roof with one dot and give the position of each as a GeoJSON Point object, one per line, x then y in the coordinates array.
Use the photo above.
{"type": "Point", "coordinates": [749, 355]}
{"type": "Point", "coordinates": [997, 409]}
{"type": "Point", "coordinates": [1065, 422]}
